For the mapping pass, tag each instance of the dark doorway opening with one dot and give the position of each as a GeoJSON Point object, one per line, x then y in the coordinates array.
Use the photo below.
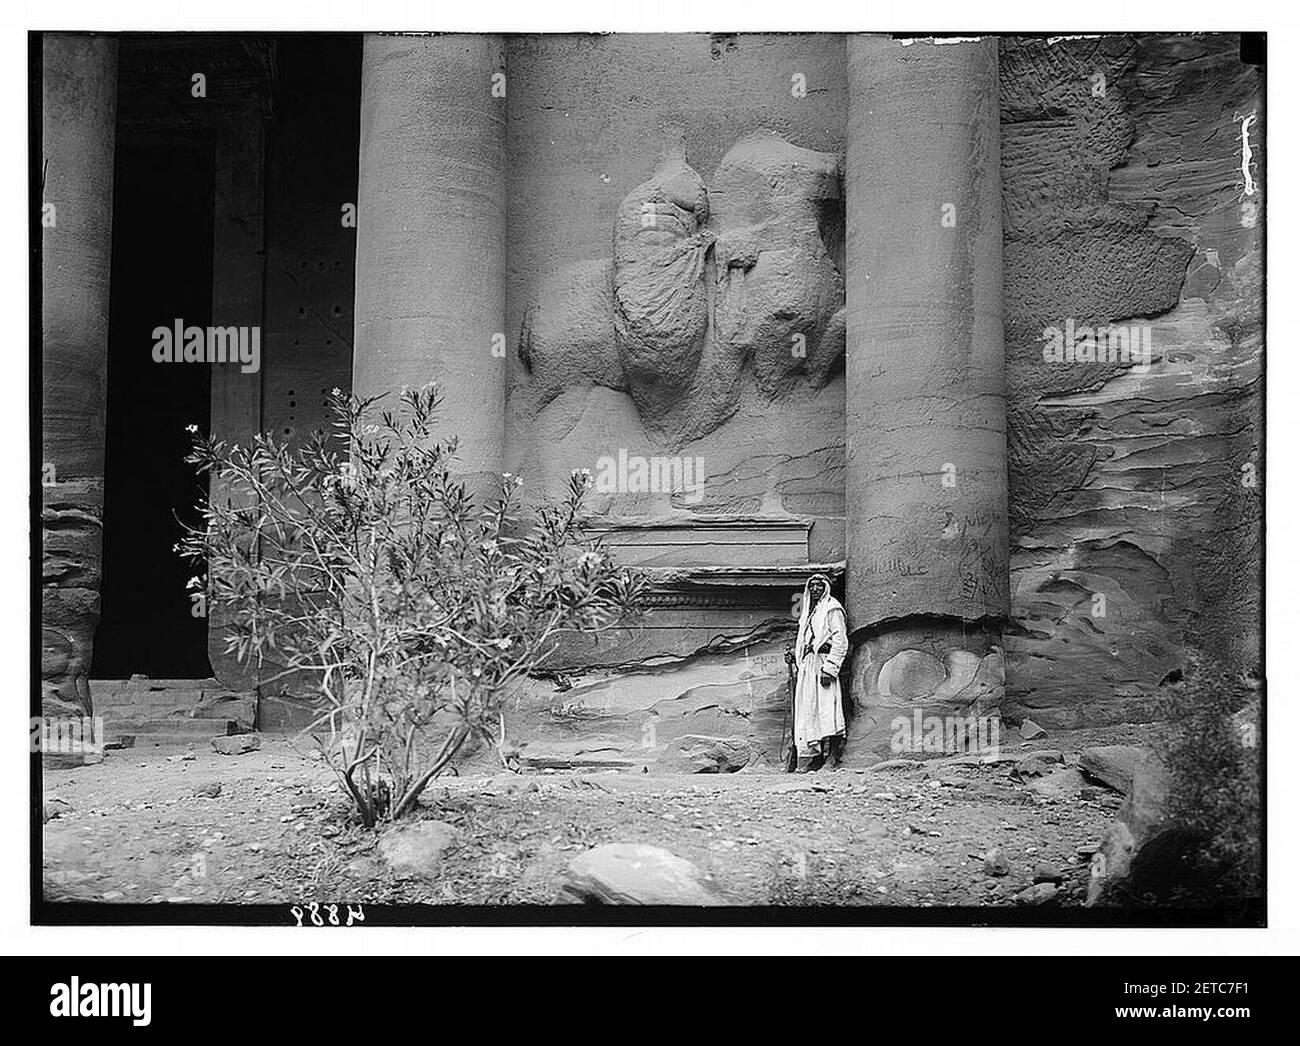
{"type": "Point", "coordinates": [161, 273]}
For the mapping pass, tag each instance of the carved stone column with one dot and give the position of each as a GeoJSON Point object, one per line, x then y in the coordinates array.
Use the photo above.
{"type": "Point", "coordinates": [430, 288]}
{"type": "Point", "coordinates": [78, 115]}
{"type": "Point", "coordinates": [926, 476]}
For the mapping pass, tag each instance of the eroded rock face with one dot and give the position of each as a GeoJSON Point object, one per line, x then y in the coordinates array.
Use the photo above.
{"type": "Point", "coordinates": [1125, 203]}
{"type": "Point", "coordinates": [72, 532]}
{"type": "Point", "coordinates": [709, 712]}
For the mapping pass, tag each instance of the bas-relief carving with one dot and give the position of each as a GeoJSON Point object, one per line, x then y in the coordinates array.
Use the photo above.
{"type": "Point", "coordinates": [708, 283]}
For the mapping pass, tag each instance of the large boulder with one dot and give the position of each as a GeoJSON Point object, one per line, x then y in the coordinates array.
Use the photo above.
{"type": "Point", "coordinates": [698, 754]}
{"type": "Point", "coordinates": [629, 873]}
{"type": "Point", "coordinates": [415, 850]}
{"type": "Point", "coordinates": [1143, 853]}
{"type": "Point", "coordinates": [1113, 765]}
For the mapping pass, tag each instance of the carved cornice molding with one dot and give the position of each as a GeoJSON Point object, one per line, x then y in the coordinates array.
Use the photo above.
{"type": "Point", "coordinates": [759, 589]}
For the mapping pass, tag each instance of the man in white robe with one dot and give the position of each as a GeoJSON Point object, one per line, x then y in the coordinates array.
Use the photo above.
{"type": "Point", "coordinates": [820, 648]}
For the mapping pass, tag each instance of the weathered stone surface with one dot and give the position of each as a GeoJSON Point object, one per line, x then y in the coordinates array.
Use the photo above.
{"type": "Point", "coordinates": [1030, 730]}
{"type": "Point", "coordinates": [627, 873]}
{"type": "Point", "coordinates": [1126, 204]}
{"type": "Point", "coordinates": [240, 709]}
{"type": "Point", "coordinates": [996, 863]}
{"type": "Point", "coordinates": [591, 754]}
{"type": "Point", "coordinates": [69, 760]}
{"type": "Point", "coordinates": [1046, 873]}
{"type": "Point", "coordinates": [1038, 764]}
{"type": "Point", "coordinates": [415, 850]}
{"type": "Point", "coordinates": [171, 727]}
{"type": "Point", "coordinates": [1140, 849]}
{"type": "Point", "coordinates": [237, 744]}
{"type": "Point", "coordinates": [1039, 893]}
{"type": "Point", "coordinates": [1061, 784]}
{"type": "Point", "coordinates": [364, 867]}
{"type": "Point", "coordinates": [626, 719]}
{"type": "Point", "coordinates": [78, 112]}
{"type": "Point", "coordinates": [72, 531]}
{"type": "Point", "coordinates": [161, 705]}
{"type": "Point", "coordinates": [696, 754]}
{"type": "Point", "coordinates": [1113, 765]}
{"type": "Point", "coordinates": [69, 614]}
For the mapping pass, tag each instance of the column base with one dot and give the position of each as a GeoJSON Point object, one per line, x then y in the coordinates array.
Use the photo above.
{"type": "Point", "coordinates": [925, 688]}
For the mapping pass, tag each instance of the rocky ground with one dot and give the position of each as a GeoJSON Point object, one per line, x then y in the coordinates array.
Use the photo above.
{"type": "Point", "coordinates": [170, 824]}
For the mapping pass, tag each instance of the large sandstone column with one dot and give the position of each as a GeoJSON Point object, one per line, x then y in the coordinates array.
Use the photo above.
{"type": "Point", "coordinates": [78, 115]}
{"type": "Point", "coordinates": [926, 476]}
{"type": "Point", "coordinates": [430, 290]}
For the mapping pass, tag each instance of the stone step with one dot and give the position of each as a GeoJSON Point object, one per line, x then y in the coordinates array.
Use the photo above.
{"type": "Point", "coordinates": [150, 740]}
{"type": "Point", "coordinates": [216, 705]}
{"type": "Point", "coordinates": [145, 728]}
{"type": "Point", "coordinates": [596, 755]}
{"type": "Point", "coordinates": [145, 683]}
{"type": "Point", "coordinates": [142, 684]}
{"type": "Point", "coordinates": [146, 698]}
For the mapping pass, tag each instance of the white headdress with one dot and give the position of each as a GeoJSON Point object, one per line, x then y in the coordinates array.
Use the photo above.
{"type": "Point", "coordinates": [812, 619]}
